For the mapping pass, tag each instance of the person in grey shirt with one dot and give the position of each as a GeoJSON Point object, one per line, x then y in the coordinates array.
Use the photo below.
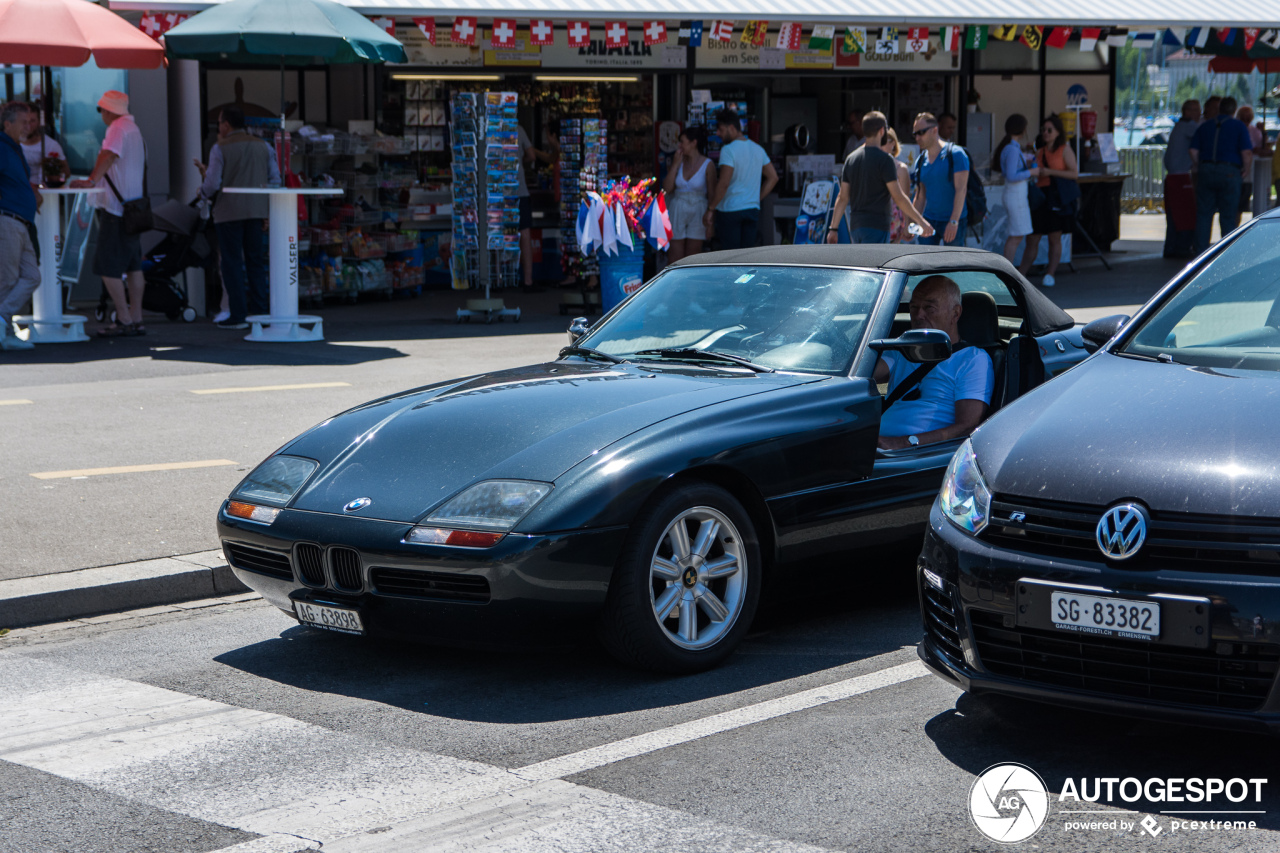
{"type": "Point", "coordinates": [1177, 156]}
{"type": "Point", "coordinates": [1179, 188]}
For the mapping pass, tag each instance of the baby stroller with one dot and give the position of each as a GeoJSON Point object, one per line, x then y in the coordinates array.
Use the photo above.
{"type": "Point", "coordinates": [185, 244]}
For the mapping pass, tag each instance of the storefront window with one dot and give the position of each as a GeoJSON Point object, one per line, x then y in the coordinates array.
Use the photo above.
{"type": "Point", "coordinates": [81, 127]}
{"type": "Point", "coordinates": [1072, 58]}
{"type": "Point", "coordinates": [1008, 56]}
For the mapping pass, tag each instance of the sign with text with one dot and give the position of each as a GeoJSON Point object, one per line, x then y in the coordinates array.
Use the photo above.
{"type": "Point", "coordinates": [932, 58]}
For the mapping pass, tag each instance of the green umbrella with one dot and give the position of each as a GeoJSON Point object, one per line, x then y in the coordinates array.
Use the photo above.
{"type": "Point", "coordinates": [292, 32]}
{"type": "Point", "coordinates": [282, 32]}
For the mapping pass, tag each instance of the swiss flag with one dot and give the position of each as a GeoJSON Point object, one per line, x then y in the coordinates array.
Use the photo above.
{"type": "Point", "coordinates": [615, 34]}
{"type": "Point", "coordinates": [156, 25]}
{"type": "Point", "coordinates": [789, 37]}
{"type": "Point", "coordinates": [428, 27]}
{"type": "Point", "coordinates": [1250, 36]}
{"type": "Point", "coordinates": [655, 32]}
{"type": "Point", "coordinates": [387, 24]}
{"type": "Point", "coordinates": [504, 32]}
{"type": "Point", "coordinates": [464, 30]}
{"type": "Point", "coordinates": [1059, 37]}
{"type": "Point", "coordinates": [579, 33]}
{"type": "Point", "coordinates": [541, 32]}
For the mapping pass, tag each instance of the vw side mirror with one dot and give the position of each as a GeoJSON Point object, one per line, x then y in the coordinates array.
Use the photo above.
{"type": "Point", "coordinates": [578, 328]}
{"type": "Point", "coordinates": [1096, 334]}
{"type": "Point", "coordinates": [920, 346]}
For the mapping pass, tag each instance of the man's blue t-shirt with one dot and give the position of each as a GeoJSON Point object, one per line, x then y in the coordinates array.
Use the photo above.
{"type": "Point", "coordinates": [939, 182]}
{"type": "Point", "coordinates": [747, 159]}
{"type": "Point", "coordinates": [966, 375]}
{"type": "Point", "coordinates": [1232, 140]}
{"type": "Point", "coordinates": [16, 196]}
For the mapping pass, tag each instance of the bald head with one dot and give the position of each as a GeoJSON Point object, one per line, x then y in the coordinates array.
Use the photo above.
{"type": "Point", "coordinates": [935, 304]}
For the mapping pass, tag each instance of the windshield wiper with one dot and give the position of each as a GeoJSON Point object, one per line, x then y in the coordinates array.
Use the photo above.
{"type": "Point", "coordinates": [588, 352]}
{"type": "Point", "coordinates": [687, 354]}
{"type": "Point", "coordinates": [1162, 358]}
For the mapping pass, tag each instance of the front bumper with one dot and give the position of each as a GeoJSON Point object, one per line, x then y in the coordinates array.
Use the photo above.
{"type": "Point", "coordinates": [974, 639]}
{"type": "Point", "coordinates": [523, 587]}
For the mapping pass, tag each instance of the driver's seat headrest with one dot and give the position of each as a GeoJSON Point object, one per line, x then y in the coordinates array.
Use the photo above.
{"type": "Point", "coordinates": [979, 319]}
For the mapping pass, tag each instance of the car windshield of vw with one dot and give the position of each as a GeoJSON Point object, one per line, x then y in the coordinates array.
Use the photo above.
{"type": "Point", "coordinates": [1227, 316]}
{"type": "Point", "coordinates": [809, 319]}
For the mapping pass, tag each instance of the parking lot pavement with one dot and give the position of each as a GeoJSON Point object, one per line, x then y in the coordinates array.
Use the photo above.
{"type": "Point", "coordinates": [207, 727]}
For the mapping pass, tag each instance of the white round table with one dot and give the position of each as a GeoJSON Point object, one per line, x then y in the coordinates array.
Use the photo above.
{"type": "Point", "coordinates": [47, 324]}
{"type": "Point", "coordinates": [284, 323]}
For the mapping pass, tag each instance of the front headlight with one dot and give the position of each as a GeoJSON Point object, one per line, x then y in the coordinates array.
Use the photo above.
{"type": "Point", "coordinates": [493, 505]}
{"type": "Point", "coordinates": [966, 500]}
{"type": "Point", "coordinates": [275, 481]}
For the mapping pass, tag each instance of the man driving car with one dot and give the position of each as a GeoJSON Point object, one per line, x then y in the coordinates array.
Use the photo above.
{"type": "Point", "coordinates": [938, 402]}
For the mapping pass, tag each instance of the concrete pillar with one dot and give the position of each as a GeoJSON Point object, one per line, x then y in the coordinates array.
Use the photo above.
{"type": "Point", "coordinates": [186, 126]}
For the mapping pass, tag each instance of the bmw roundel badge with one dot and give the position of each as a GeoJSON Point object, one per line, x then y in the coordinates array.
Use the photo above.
{"type": "Point", "coordinates": [357, 504]}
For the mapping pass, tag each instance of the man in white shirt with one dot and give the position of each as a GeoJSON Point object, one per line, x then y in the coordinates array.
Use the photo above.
{"type": "Point", "coordinates": [120, 167]}
{"type": "Point", "coordinates": [951, 400]}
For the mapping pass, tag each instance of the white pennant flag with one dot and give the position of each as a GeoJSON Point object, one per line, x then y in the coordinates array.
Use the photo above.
{"type": "Point", "coordinates": [620, 226]}
{"type": "Point", "coordinates": [1271, 38]}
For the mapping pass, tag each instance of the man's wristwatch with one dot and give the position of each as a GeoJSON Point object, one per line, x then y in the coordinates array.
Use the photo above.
{"type": "Point", "coordinates": [913, 440]}
{"type": "Point", "coordinates": [833, 228]}
{"type": "Point", "coordinates": [954, 222]}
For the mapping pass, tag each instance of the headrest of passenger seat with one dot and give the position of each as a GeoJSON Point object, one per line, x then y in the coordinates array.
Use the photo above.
{"type": "Point", "coordinates": [979, 319]}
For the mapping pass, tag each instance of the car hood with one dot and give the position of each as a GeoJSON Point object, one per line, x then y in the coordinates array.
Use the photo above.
{"type": "Point", "coordinates": [409, 452]}
{"type": "Point", "coordinates": [1177, 438]}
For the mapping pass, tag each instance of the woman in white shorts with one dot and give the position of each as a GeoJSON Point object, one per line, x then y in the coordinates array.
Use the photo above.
{"type": "Point", "coordinates": [1010, 161]}
{"type": "Point", "coordinates": [689, 185]}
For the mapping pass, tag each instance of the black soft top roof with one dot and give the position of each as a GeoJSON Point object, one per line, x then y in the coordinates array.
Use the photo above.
{"type": "Point", "coordinates": [1042, 315]}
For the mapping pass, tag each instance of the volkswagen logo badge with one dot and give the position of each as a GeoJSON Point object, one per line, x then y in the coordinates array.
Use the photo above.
{"type": "Point", "coordinates": [357, 504]}
{"type": "Point", "coordinates": [1121, 531]}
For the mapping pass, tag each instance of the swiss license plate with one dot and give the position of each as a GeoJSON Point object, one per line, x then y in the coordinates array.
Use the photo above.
{"type": "Point", "coordinates": [329, 618]}
{"type": "Point", "coordinates": [1107, 617]}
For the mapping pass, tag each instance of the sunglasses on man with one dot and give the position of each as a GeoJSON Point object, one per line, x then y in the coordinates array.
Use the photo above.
{"type": "Point", "coordinates": [922, 131]}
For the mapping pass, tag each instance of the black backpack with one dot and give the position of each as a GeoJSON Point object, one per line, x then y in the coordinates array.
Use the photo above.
{"type": "Point", "coordinates": [975, 194]}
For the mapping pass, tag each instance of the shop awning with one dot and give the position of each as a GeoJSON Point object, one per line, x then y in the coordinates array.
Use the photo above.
{"type": "Point", "coordinates": [1079, 13]}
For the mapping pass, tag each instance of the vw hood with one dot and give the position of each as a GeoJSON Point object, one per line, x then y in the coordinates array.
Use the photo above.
{"type": "Point", "coordinates": [1177, 438]}
{"type": "Point", "coordinates": [409, 452]}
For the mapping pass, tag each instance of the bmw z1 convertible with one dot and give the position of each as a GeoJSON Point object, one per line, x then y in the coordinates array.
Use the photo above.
{"type": "Point", "coordinates": [706, 435]}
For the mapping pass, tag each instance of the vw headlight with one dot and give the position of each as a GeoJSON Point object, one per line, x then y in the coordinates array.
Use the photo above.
{"type": "Point", "coordinates": [275, 481]}
{"type": "Point", "coordinates": [493, 505]}
{"type": "Point", "coordinates": [966, 500]}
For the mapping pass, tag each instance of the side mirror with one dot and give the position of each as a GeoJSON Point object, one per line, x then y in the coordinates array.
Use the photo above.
{"type": "Point", "coordinates": [578, 328]}
{"type": "Point", "coordinates": [921, 346]}
{"type": "Point", "coordinates": [1097, 333]}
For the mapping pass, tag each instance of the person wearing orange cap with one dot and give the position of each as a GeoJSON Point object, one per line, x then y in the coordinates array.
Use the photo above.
{"type": "Point", "coordinates": [122, 163]}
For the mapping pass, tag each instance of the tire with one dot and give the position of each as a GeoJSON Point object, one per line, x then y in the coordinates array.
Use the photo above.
{"type": "Point", "coordinates": [720, 576]}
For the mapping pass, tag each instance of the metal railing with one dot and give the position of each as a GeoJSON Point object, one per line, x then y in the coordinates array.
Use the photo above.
{"type": "Point", "coordinates": [1143, 190]}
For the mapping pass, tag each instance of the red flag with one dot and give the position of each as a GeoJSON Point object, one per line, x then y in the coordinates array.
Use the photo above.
{"type": "Point", "coordinates": [789, 36]}
{"type": "Point", "coordinates": [655, 32]}
{"type": "Point", "coordinates": [152, 25]}
{"type": "Point", "coordinates": [1059, 37]}
{"type": "Point", "coordinates": [464, 30]}
{"type": "Point", "coordinates": [1250, 36]}
{"type": "Point", "coordinates": [172, 19]}
{"type": "Point", "coordinates": [428, 27]}
{"type": "Point", "coordinates": [579, 33]}
{"type": "Point", "coordinates": [503, 33]}
{"type": "Point", "coordinates": [541, 32]}
{"type": "Point", "coordinates": [1089, 37]}
{"type": "Point", "coordinates": [615, 34]}
{"type": "Point", "coordinates": [387, 24]}
{"type": "Point", "coordinates": [722, 31]}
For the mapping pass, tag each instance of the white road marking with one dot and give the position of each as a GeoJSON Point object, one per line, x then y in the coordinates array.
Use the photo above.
{"type": "Point", "coordinates": [81, 473]}
{"type": "Point", "coordinates": [609, 753]}
{"type": "Point", "coordinates": [15, 402]}
{"type": "Point", "coordinates": [247, 388]}
{"type": "Point", "coordinates": [222, 764]}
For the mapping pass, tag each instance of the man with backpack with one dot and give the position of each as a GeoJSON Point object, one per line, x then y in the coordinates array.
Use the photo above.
{"type": "Point", "coordinates": [942, 179]}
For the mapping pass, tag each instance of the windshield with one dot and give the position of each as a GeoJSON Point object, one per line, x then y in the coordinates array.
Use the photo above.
{"type": "Point", "coordinates": [1228, 315]}
{"type": "Point", "coordinates": [786, 318]}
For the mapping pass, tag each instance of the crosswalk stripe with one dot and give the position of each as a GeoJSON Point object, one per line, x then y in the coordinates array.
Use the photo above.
{"type": "Point", "coordinates": [301, 786]}
{"type": "Point", "coordinates": [133, 469]}
{"type": "Point", "coordinates": [609, 753]}
{"type": "Point", "coordinates": [246, 388]}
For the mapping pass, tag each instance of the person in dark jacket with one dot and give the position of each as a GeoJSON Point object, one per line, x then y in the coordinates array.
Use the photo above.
{"type": "Point", "coordinates": [19, 272]}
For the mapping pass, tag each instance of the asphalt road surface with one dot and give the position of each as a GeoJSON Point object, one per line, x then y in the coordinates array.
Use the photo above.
{"type": "Point", "coordinates": [231, 728]}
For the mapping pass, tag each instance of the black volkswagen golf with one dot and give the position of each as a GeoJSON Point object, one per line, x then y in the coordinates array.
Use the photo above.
{"type": "Point", "coordinates": [1112, 539]}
